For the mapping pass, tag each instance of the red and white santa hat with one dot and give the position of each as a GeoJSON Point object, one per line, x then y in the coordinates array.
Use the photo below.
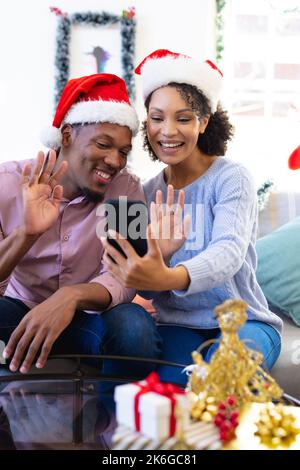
{"type": "Point", "coordinates": [294, 159]}
{"type": "Point", "coordinates": [162, 67]}
{"type": "Point", "coordinates": [93, 99]}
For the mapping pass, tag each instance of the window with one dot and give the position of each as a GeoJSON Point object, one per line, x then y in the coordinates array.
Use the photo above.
{"type": "Point", "coordinates": [262, 86]}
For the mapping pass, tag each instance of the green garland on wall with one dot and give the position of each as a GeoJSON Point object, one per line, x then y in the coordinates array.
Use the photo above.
{"type": "Point", "coordinates": [263, 194]}
{"type": "Point", "coordinates": [219, 22]}
{"type": "Point", "coordinates": [63, 34]}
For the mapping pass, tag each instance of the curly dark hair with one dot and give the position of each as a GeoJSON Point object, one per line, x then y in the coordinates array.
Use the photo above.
{"type": "Point", "coordinates": [218, 130]}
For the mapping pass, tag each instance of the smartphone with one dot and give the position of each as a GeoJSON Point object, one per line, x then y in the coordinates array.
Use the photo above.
{"type": "Point", "coordinates": [130, 219]}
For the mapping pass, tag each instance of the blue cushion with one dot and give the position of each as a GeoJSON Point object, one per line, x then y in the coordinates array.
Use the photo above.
{"type": "Point", "coordinates": [278, 270]}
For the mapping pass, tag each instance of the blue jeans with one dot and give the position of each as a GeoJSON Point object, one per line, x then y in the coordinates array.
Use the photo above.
{"type": "Point", "coordinates": [178, 343]}
{"type": "Point", "coordinates": [128, 330]}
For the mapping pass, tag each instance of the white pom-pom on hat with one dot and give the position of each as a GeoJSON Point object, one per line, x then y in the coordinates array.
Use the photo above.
{"type": "Point", "coordinates": [51, 137]}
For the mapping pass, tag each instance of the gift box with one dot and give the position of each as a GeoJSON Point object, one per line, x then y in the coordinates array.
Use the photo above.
{"type": "Point", "coordinates": [149, 407]}
{"type": "Point", "coordinates": [256, 428]}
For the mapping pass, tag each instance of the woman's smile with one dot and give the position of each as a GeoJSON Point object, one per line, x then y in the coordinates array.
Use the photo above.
{"type": "Point", "coordinates": [170, 147]}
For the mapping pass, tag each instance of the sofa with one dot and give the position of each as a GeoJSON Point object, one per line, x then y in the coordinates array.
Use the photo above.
{"type": "Point", "coordinates": [287, 369]}
{"type": "Point", "coordinates": [281, 210]}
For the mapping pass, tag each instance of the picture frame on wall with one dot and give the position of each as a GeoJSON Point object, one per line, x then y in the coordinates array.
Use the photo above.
{"type": "Point", "coordinates": [89, 43]}
{"type": "Point", "coordinates": [95, 50]}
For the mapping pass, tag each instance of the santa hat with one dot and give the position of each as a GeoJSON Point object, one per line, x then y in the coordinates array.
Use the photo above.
{"type": "Point", "coordinates": [96, 98]}
{"type": "Point", "coordinates": [162, 67]}
{"type": "Point", "coordinates": [294, 159]}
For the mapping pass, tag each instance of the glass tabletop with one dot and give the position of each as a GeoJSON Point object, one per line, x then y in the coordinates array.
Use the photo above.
{"type": "Point", "coordinates": [50, 414]}
{"type": "Point", "coordinates": [70, 410]}
{"type": "Point", "coordinates": [61, 411]}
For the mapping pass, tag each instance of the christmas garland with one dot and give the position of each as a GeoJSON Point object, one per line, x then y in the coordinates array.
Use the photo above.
{"type": "Point", "coordinates": [65, 22]}
{"type": "Point", "coordinates": [219, 22]}
{"type": "Point", "coordinates": [263, 194]}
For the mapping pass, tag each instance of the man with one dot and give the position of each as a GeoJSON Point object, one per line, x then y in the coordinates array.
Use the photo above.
{"type": "Point", "coordinates": [49, 249]}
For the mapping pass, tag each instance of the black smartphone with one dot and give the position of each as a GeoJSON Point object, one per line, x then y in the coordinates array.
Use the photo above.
{"type": "Point", "coordinates": [130, 219]}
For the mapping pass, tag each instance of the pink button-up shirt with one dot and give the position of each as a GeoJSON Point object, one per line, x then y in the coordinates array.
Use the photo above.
{"type": "Point", "coordinates": [70, 251]}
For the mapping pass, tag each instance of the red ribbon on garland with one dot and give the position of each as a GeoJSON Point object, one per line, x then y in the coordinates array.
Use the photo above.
{"type": "Point", "coordinates": [130, 13]}
{"type": "Point", "coordinates": [58, 12]}
{"type": "Point", "coordinates": [152, 384]}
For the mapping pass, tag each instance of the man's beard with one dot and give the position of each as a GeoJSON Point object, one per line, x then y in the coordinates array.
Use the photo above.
{"type": "Point", "coordinates": [92, 196]}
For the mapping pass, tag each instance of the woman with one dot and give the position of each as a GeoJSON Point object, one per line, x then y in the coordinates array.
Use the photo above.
{"type": "Point", "coordinates": [188, 277]}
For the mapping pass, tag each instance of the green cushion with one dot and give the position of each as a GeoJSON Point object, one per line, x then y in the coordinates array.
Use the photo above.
{"type": "Point", "coordinates": [278, 271]}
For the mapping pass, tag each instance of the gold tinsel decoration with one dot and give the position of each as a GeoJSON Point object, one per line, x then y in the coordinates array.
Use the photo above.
{"type": "Point", "coordinates": [203, 407]}
{"type": "Point", "coordinates": [234, 369]}
{"type": "Point", "coordinates": [276, 426]}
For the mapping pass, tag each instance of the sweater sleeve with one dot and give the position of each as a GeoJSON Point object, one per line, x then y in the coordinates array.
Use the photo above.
{"type": "Point", "coordinates": [234, 215]}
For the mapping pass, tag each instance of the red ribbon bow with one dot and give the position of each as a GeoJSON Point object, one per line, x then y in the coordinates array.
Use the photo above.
{"type": "Point", "coordinates": [58, 12]}
{"type": "Point", "coordinates": [152, 384]}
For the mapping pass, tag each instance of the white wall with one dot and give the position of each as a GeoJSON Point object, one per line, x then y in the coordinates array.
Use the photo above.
{"type": "Point", "coordinates": [27, 42]}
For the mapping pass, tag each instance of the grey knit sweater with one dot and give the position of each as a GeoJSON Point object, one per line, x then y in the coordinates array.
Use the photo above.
{"type": "Point", "coordinates": [219, 253]}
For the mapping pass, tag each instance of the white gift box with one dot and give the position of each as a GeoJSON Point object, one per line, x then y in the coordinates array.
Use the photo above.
{"type": "Point", "coordinates": [154, 411]}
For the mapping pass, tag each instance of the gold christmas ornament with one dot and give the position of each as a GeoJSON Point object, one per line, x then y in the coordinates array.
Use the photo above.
{"type": "Point", "coordinates": [234, 369]}
{"type": "Point", "coordinates": [276, 426]}
{"type": "Point", "coordinates": [203, 407]}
